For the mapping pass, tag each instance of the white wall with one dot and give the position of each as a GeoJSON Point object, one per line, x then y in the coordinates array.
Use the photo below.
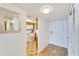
{"type": "Point", "coordinates": [59, 32]}
{"type": "Point", "coordinates": [77, 27]}
{"type": "Point", "coordinates": [65, 33]}
{"type": "Point", "coordinates": [76, 30]}
{"type": "Point", "coordinates": [14, 43]}
{"type": "Point", "coordinates": [42, 34]}
{"type": "Point", "coordinates": [73, 30]}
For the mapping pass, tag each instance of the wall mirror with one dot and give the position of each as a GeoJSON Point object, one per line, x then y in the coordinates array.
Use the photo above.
{"type": "Point", "coordinates": [9, 21]}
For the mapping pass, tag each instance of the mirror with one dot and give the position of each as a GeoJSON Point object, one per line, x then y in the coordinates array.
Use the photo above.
{"type": "Point", "coordinates": [9, 21]}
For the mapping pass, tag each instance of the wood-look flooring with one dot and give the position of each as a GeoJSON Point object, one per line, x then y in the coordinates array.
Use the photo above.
{"type": "Point", "coordinates": [53, 50]}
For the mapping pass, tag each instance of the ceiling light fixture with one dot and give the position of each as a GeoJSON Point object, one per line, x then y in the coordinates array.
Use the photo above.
{"type": "Point", "coordinates": [46, 9]}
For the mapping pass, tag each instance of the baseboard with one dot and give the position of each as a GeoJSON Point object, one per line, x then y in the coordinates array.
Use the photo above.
{"type": "Point", "coordinates": [42, 48]}
{"type": "Point", "coordinates": [58, 45]}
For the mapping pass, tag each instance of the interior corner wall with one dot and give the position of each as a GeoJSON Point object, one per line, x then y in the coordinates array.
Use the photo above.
{"type": "Point", "coordinates": [59, 33]}
{"type": "Point", "coordinates": [14, 44]}
{"type": "Point", "coordinates": [42, 34]}
{"type": "Point", "coordinates": [76, 43]}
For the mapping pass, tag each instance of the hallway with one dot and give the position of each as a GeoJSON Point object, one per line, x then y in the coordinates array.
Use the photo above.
{"type": "Point", "coordinates": [38, 29]}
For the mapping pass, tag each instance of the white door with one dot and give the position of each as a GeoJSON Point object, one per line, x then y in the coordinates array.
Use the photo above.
{"type": "Point", "coordinates": [56, 33]}
{"type": "Point", "coordinates": [51, 34]}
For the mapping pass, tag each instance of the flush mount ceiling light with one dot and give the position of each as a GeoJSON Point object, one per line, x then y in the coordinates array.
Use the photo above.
{"type": "Point", "coordinates": [46, 9]}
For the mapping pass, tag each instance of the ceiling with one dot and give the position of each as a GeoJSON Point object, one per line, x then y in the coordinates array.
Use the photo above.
{"type": "Point", "coordinates": [60, 10]}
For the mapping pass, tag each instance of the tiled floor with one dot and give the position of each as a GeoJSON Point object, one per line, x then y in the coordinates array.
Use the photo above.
{"type": "Point", "coordinates": [53, 50]}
